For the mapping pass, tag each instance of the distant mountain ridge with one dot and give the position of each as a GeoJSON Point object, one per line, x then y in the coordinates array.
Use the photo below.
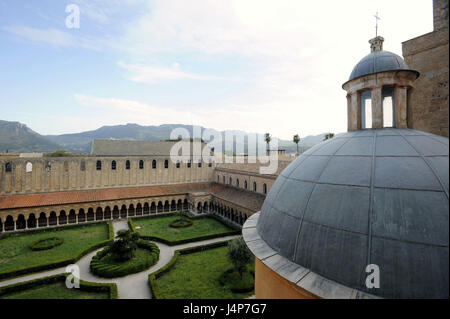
{"type": "Point", "coordinates": [17, 137]}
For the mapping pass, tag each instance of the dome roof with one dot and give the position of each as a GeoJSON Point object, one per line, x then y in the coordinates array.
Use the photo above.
{"type": "Point", "coordinates": [366, 197]}
{"type": "Point", "coordinates": [378, 61]}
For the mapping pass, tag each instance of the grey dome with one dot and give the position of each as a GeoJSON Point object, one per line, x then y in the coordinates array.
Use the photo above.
{"type": "Point", "coordinates": [366, 197]}
{"type": "Point", "coordinates": [378, 61]}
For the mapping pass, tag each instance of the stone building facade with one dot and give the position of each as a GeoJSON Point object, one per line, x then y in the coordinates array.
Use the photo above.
{"type": "Point", "coordinates": [31, 175]}
{"type": "Point", "coordinates": [54, 191]}
{"type": "Point", "coordinates": [429, 54]}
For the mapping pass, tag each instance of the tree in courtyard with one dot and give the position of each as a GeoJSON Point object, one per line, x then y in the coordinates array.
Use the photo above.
{"type": "Point", "coordinates": [125, 246]}
{"type": "Point", "coordinates": [296, 139]}
{"type": "Point", "coordinates": [267, 138]}
{"type": "Point", "coordinates": [59, 153]}
{"type": "Point", "coordinates": [239, 255]}
{"type": "Point", "coordinates": [328, 136]}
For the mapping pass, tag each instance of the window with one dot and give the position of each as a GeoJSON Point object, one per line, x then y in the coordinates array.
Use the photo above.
{"type": "Point", "coordinates": [245, 185]}
{"type": "Point", "coordinates": [8, 167]}
{"type": "Point", "coordinates": [199, 163]}
{"type": "Point", "coordinates": [141, 164]}
{"type": "Point", "coordinates": [113, 165]}
{"type": "Point", "coordinates": [127, 164]}
{"type": "Point", "coordinates": [178, 164]}
{"type": "Point", "coordinates": [264, 188]}
{"type": "Point", "coordinates": [223, 179]}
{"type": "Point", "coordinates": [29, 167]}
{"type": "Point", "coordinates": [166, 163]}
{"type": "Point", "coordinates": [209, 164]}
{"type": "Point", "coordinates": [48, 167]}
{"type": "Point", "coordinates": [366, 109]}
{"type": "Point", "coordinates": [99, 165]}
{"type": "Point", "coordinates": [154, 164]}
{"type": "Point", "coordinates": [237, 182]}
{"type": "Point", "coordinates": [255, 188]}
{"type": "Point", "coordinates": [83, 166]}
{"type": "Point", "coordinates": [230, 181]}
{"type": "Point", "coordinates": [218, 179]}
{"type": "Point", "coordinates": [388, 106]}
{"type": "Point", "coordinates": [189, 164]}
{"type": "Point", "coordinates": [66, 166]}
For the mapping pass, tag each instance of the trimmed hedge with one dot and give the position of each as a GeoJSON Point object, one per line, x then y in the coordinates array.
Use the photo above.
{"type": "Point", "coordinates": [181, 223]}
{"type": "Point", "coordinates": [155, 275]}
{"type": "Point", "coordinates": [49, 228]}
{"type": "Point", "coordinates": [111, 288]}
{"type": "Point", "coordinates": [60, 263]}
{"type": "Point", "coordinates": [46, 243]}
{"type": "Point", "coordinates": [235, 231]}
{"type": "Point", "coordinates": [106, 270]}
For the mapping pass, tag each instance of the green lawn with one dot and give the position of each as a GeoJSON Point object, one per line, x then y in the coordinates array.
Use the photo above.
{"type": "Point", "coordinates": [196, 276]}
{"type": "Point", "coordinates": [56, 290]}
{"type": "Point", "coordinates": [159, 227]}
{"type": "Point", "coordinates": [15, 252]}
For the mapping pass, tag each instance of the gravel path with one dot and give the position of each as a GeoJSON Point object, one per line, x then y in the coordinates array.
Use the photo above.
{"type": "Point", "coordinates": [133, 286]}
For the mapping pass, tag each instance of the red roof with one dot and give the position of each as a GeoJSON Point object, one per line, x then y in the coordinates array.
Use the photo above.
{"type": "Point", "coordinates": [250, 200]}
{"type": "Point", "coordinates": [95, 195]}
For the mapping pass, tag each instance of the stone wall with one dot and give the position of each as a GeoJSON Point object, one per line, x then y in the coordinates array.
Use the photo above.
{"type": "Point", "coordinates": [429, 54]}
{"type": "Point", "coordinates": [80, 173]}
{"type": "Point", "coordinates": [223, 175]}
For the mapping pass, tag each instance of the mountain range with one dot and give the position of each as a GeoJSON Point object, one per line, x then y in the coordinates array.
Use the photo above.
{"type": "Point", "coordinates": [17, 137]}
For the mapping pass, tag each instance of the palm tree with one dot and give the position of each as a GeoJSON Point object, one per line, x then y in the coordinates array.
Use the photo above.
{"type": "Point", "coordinates": [328, 136]}
{"type": "Point", "coordinates": [124, 247]}
{"type": "Point", "coordinates": [296, 139]}
{"type": "Point", "coordinates": [267, 138]}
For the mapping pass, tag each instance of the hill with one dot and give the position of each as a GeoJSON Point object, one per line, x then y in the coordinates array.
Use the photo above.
{"type": "Point", "coordinates": [16, 137]}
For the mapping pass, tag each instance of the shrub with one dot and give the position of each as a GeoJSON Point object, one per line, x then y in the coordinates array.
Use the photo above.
{"type": "Point", "coordinates": [104, 265]}
{"type": "Point", "coordinates": [236, 283]}
{"type": "Point", "coordinates": [124, 248]}
{"type": "Point", "coordinates": [239, 255]}
{"type": "Point", "coordinates": [181, 223]}
{"type": "Point", "coordinates": [46, 243]}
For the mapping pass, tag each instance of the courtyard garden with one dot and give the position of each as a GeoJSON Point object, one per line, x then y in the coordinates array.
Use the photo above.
{"type": "Point", "coordinates": [204, 274]}
{"type": "Point", "coordinates": [54, 287]}
{"type": "Point", "coordinates": [35, 251]}
{"type": "Point", "coordinates": [171, 229]}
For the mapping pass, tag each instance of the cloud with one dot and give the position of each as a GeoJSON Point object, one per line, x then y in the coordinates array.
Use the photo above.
{"type": "Point", "coordinates": [53, 37]}
{"type": "Point", "coordinates": [152, 74]}
{"type": "Point", "coordinates": [246, 117]}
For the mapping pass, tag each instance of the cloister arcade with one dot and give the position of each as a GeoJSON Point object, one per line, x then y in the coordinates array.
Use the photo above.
{"type": "Point", "coordinates": [82, 213]}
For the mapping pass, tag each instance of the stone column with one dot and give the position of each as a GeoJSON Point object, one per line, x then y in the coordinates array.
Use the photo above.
{"type": "Point", "coordinates": [377, 108]}
{"type": "Point", "coordinates": [353, 107]}
{"type": "Point", "coordinates": [400, 106]}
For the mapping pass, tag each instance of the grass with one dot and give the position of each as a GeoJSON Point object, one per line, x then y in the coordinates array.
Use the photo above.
{"type": "Point", "coordinates": [196, 276]}
{"type": "Point", "coordinates": [160, 227]}
{"type": "Point", "coordinates": [55, 290]}
{"type": "Point", "coordinates": [15, 252]}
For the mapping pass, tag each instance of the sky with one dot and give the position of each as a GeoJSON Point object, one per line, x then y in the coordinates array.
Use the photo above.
{"type": "Point", "coordinates": [252, 65]}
